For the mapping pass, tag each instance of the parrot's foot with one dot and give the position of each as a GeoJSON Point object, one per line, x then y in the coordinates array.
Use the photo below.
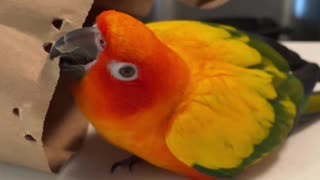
{"type": "Point", "coordinates": [130, 162]}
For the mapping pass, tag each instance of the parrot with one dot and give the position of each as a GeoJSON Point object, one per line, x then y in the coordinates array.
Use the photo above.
{"type": "Point", "coordinates": [203, 100]}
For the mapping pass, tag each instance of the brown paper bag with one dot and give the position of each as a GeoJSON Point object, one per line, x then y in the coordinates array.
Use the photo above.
{"type": "Point", "coordinates": [28, 80]}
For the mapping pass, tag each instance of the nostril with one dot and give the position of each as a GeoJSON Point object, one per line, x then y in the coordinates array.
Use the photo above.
{"type": "Point", "coordinates": [102, 43]}
{"type": "Point", "coordinates": [57, 23]}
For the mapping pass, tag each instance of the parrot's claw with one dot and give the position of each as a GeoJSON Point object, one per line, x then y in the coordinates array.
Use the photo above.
{"type": "Point", "coordinates": [130, 162]}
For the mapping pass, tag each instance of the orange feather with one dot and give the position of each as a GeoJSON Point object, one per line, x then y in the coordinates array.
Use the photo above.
{"type": "Point", "coordinates": [135, 115]}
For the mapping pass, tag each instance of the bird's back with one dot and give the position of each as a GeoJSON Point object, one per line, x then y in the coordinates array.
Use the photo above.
{"type": "Point", "coordinates": [240, 105]}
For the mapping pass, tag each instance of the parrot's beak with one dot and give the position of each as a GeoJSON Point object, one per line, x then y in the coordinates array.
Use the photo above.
{"type": "Point", "coordinates": [78, 50]}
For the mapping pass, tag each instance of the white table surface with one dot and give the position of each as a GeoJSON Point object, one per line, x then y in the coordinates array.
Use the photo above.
{"type": "Point", "coordinates": [297, 159]}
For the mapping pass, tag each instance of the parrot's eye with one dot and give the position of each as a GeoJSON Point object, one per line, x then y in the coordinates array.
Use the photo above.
{"type": "Point", "coordinates": [123, 71]}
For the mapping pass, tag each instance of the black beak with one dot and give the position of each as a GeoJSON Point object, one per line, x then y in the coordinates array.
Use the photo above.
{"type": "Point", "coordinates": [77, 49]}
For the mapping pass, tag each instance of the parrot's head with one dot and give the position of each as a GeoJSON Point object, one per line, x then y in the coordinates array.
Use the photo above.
{"type": "Point", "coordinates": [124, 72]}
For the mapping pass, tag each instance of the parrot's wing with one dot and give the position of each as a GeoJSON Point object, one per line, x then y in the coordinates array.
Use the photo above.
{"type": "Point", "coordinates": [240, 107]}
{"type": "Point", "coordinates": [306, 72]}
{"type": "Point", "coordinates": [231, 121]}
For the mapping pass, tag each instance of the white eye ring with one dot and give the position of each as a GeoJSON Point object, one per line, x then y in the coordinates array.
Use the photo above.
{"type": "Point", "coordinates": [123, 71]}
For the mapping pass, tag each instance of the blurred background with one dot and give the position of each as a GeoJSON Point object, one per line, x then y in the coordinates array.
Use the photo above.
{"type": "Point", "coordinates": [279, 19]}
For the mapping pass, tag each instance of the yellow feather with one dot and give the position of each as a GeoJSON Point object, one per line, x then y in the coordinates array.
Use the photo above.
{"type": "Point", "coordinates": [227, 112]}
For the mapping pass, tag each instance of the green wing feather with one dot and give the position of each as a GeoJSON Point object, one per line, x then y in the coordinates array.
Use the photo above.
{"type": "Point", "coordinates": [289, 89]}
{"type": "Point", "coordinates": [289, 99]}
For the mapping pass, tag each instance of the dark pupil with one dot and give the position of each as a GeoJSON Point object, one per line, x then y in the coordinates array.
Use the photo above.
{"type": "Point", "coordinates": [127, 71]}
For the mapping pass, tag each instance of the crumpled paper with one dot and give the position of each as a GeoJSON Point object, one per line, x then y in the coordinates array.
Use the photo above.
{"type": "Point", "coordinates": [28, 79]}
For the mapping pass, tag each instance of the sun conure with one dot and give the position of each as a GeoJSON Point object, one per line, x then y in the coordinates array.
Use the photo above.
{"type": "Point", "coordinates": [202, 100]}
